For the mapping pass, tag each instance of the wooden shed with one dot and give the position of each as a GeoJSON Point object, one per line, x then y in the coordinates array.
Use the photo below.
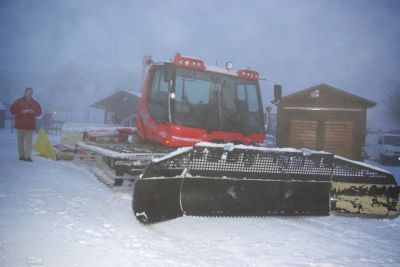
{"type": "Point", "coordinates": [323, 117]}
{"type": "Point", "coordinates": [120, 107]}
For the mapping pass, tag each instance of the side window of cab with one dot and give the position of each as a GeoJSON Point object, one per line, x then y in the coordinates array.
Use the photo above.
{"type": "Point", "coordinates": [158, 96]}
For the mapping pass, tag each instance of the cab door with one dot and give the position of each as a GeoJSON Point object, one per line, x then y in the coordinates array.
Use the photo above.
{"type": "Point", "coordinates": [152, 114]}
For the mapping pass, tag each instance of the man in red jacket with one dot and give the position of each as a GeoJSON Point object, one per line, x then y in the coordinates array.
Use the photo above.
{"type": "Point", "coordinates": [25, 109]}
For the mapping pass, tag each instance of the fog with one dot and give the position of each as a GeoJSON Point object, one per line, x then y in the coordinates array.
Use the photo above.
{"type": "Point", "coordinates": [351, 45]}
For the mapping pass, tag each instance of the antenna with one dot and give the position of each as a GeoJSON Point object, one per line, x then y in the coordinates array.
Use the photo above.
{"type": "Point", "coordinates": [145, 63]}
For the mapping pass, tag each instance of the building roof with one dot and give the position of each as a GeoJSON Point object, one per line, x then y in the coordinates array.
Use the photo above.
{"type": "Point", "coordinates": [323, 95]}
{"type": "Point", "coordinates": [117, 99]}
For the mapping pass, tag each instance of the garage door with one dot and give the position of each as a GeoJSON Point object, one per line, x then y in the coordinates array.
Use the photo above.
{"type": "Point", "coordinates": [338, 137]}
{"type": "Point", "coordinates": [303, 133]}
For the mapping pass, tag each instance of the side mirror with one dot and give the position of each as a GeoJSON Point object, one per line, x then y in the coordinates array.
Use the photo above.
{"type": "Point", "coordinates": [169, 72]}
{"type": "Point", "coordinates": [277, 93]}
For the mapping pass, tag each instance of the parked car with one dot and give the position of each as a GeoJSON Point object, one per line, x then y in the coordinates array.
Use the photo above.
{"type": "Point", "coordinates": [384, 147]}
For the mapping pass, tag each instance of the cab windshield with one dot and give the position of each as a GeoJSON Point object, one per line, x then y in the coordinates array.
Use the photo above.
{"type": "Point", "coordinates": [217, 102]}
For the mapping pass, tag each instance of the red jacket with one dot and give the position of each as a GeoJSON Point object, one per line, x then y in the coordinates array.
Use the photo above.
{"type": "Point", "coordinates": [25, 113]}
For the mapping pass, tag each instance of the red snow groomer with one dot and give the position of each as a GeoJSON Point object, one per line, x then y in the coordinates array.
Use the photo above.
{"type": "Point", "coordinates": [185, 102]}
{"type": "Point", "coordinates": [215, 117]}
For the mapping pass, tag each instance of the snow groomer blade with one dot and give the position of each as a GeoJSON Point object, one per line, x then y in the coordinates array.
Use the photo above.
{"type": "Point", "coordinates": [158, 199]}
{"type": "Point", "coordinates": [363, 189]}
{"type": "Point", "coordinates": [250, 181]}
{"type": "Point", "coordinates": [156, 195]}
{"type": "Point", "coordinates": [237, 197]}
{"type": "Point", "coordinates": [218, 180]}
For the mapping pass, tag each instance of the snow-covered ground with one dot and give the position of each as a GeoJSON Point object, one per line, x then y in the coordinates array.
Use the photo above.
{"type": "Point", "coordinates": [54, 213]}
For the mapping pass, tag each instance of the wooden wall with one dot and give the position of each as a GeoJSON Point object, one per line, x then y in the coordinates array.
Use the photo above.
{"type": "Point", "coordinates": [339, 132]}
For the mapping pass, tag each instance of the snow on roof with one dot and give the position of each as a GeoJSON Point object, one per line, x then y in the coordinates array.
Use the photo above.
{"type": "Point", "coordinates": [211, 68]}
{"type": "Point", "coordinates": [220, 70]}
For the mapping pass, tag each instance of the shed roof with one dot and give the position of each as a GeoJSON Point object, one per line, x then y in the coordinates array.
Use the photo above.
{"type": "Point", "coordinates": [324, 95]}
{"type": "Point", "coordinates": [119, 98]}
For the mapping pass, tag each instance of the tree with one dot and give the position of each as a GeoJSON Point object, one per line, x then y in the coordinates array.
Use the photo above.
{"type": "Point", "coordinates": [391, 101]}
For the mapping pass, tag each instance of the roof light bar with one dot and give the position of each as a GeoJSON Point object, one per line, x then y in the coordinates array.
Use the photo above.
{"type": "Point", "coordinates": [248, 74]}
{"type": "Point", "coordinates": [189, 62]}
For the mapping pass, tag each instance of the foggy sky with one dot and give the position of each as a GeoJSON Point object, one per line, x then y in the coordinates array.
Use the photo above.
{"type": "Point", "coordinates": [351, 45]}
